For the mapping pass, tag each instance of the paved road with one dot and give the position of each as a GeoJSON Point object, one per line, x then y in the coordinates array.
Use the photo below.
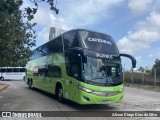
{"type": "Point", "coordinates": [18, 97]}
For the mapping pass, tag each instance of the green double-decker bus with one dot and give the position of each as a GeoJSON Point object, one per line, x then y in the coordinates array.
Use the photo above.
{"type": "Point", "coordinates": [80, 65]}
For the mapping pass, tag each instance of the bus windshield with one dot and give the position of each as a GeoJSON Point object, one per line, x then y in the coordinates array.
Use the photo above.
{"type": "Point", "coordinates": [102, 72]}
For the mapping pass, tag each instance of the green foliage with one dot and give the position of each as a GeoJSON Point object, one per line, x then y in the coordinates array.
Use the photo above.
{"type": "Point", "coordinates": [16, 37]}
{"type": "Point", "coordinates": [148, 71]}
{"type": "Point", "coordinates": [29, 12]}
{"type": "Point", "coordinates": [157, 67]}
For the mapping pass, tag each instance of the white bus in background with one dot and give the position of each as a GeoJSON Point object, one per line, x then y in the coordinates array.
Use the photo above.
{"type": "Point", "coordinates": [12, 73]}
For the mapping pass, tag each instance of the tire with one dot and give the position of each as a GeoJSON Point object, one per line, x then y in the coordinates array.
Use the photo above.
{"type": "Point", "coordinates": [30, 84]}
{"type": "Point", "coordinates": [2, 78]}
{"type": "Point", "coordinates": [60, 94]}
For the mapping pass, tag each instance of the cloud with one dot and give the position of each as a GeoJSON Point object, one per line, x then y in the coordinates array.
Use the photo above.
{"type": "Point", "coordinates": [139, 59]}
{"type": "Point", "coordinates": [140, 7]}
{"type": "Point", "coordinates": [45, 19]}
{"type": "Point", "coordinates": [137, 7]}
{"type": "Point", "coordinates": [144, 34]}
{"type": "Point", "coordinates": [152, 23]}
{"type": "Point", "coordinates": [73, 14]}
{"type": "Point", "coordinates": [86, 12]}
{"type": "Point", "coordinates": [154, 55]}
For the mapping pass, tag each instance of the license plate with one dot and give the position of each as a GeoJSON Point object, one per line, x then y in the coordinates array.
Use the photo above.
{"type": "Point", "coordinates": [105, 102]}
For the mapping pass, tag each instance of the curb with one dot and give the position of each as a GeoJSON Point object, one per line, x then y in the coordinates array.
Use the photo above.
{"type": "Point", "coordinates": [5, 87]}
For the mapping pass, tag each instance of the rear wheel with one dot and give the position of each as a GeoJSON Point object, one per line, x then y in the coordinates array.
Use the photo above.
{"type": "Point", "coordinates": [60, 94]}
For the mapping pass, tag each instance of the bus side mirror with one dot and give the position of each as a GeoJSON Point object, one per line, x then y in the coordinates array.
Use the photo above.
{"type": "Point", "coordinates": [133, 64]}
{"type": "Point", "coordinates": [131, 57]}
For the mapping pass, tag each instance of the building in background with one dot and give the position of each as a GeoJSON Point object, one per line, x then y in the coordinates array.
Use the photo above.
{"type": "Point", "coordinates": [54, 32]}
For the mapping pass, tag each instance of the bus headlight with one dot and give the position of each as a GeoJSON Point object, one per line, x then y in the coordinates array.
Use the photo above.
{"type": "Point", "coordinates": [85, 89]}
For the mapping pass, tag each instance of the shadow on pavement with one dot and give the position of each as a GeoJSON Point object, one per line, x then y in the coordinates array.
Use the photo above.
{"type": "Point", "coordinates": [78, 107]}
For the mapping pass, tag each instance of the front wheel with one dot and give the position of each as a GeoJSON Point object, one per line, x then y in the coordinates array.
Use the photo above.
{"type": "Point", "coordinates": [60, 95]}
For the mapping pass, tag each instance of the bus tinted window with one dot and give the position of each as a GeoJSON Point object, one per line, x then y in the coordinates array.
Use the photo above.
{"type": "Point", "coordinates": [9, 69]}
{"type": "Point", "coordinates": [54, 71]}
{"type": "Point", "coordinates": [22, 69]}
{"type": "Point", "coordinates": [73, 65]}
{"type": "Point", "coordinates": [34, 55]}
{"type": "Point", "coordinates": [42, 71]}
{"type": "Point", "coordinates": [15, 69]}
{"type": "Point", "coordinates": [55, 46]}
{"type": "Point", "coordinates": [70, 40]}
{"type": "Point", "coordinates": [42, 51]}
{"type": "Point", "coordinates": [2, 70]}
{"type": "Point", "coordinates": [98, 42]}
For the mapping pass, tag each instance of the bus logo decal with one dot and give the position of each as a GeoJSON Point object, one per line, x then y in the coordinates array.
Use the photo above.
{"type": "Point", "coordinates": [104, 56]}
{"type": "Point", "coordinates": [99, 40]}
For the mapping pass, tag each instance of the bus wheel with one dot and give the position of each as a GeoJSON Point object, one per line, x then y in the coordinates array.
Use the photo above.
{"type": "Point", "coordinates": [2, 78]}
{"type": "Point", "coordinates": [60, 94]}
{"type": "Point", "coordinates": [30, 84]}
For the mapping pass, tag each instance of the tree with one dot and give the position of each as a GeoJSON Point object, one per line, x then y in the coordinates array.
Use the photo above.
{"type": "Point", "coordinates": [29, 12]}
{"type": "Point", "coordinates": [157, 67]}
{"type": "Point", "coordinates": [16, 36]}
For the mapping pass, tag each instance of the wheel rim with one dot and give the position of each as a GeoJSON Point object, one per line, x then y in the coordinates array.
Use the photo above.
{"type": "Point", "coordinates": [60, 94]}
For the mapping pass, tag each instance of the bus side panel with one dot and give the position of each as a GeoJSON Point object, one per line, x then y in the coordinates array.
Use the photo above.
{"type": "Point", "coordinates": [40, 80]}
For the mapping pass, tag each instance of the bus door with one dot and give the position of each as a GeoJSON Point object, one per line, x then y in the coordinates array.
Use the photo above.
{"type": "Point", "coordinates": [73, 67]}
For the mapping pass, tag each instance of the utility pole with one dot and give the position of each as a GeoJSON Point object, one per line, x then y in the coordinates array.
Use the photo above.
{"type": "Point", "coordinates": [155, 76]}
{"type": "Point", "coordinates": [142, 75]}
{"type": "Point", "coordinates": [132, 75]}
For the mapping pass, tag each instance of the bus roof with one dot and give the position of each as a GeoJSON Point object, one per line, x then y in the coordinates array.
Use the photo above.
{"type": "Point", "coordinates": [11, 67]}
{"type": "Point", "coordinates": [75, 30]}
{"type": "Point", "coordinates": [85, 30]}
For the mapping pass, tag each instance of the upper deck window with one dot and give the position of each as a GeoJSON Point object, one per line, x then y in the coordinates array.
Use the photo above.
{"type": "Point", "coordinates": [70, 40]}
{"type": "Point", "coordinates": [54, 46]}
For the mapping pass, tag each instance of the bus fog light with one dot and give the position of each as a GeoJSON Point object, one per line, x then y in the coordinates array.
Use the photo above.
{"type": "Point", "coordinates": [86, 98]}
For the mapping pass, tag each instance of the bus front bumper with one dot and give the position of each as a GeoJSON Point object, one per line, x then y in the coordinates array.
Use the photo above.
{"type": "Point", "coordinates": [89, 98]}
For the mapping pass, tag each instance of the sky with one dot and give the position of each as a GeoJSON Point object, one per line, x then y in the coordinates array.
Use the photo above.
{"type": "Point", "coordinates": [133, 24]}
